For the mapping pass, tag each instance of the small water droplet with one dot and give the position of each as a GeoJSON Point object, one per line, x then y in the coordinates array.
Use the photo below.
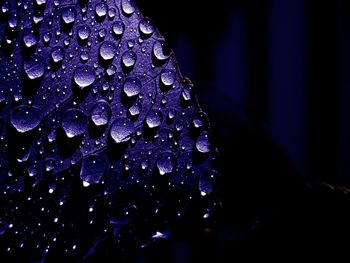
{"type": "Point", "coordinates": [101, 113]}
{"type": "Point", "coordinates": [167, 78]}
{"type": "Point", "coordinates": [111, 70]}
{"type": "Point", "coordinates": [108, 51]}
{"type": "Point", "coordinates": [166, 163]}
{"type": "Point", "coordinates": [101, 10]}
{"type": "Point", "coordinates": [154, 119]}
{"type": "Point", "coordinates": [68, 15]}
{"type": "Point", "coordinates": [205, 185]}
{"type": "Point", "coordinates": [128, 7]}
{"type": "Point", "coordinates": [161, 51]}
{"type": "Point", "coordinates": [202, 143]}
{"type": "Point", "coordinates": [84, 33]}
{"type": "Point", "coordinates": [132, 87]}
{"type": "Point", "coordinates": [25, 118]}
{"type": "Point", "coordinates": [3, 227]}
{"type": "Point", "coordinates": [92, 169]}
{"type": "Point", "coordinates": [135, 109]}
{"type": "Point", "coordinates": [29, 39]}
{"type": "Point", "coordinates": [57, 54]}
{"type": "Point", "coordinates": [74, 123]}
{"type": "Point", "coordinates": [129, 59]}
{"type": "Point", "coordinates": [84, 76]}
{"type": "Point", "coordinates": [121, 130]}
{"type": "Point", "coordinates": [187, 93]}
{"type": "Point", "coordinates": [118, 28]}
{"type": "Point", "coordinates": [146, 27]}
{"type": "Point", "coordinates": [34, 68]}
{"type": "Point", "coordinates": [111, 13]}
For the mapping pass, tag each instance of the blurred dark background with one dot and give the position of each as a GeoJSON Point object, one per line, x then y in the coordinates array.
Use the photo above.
{"type": "Point", "coordinates": [274, 78]}
{"type": "Point", "coordinates": [285, 63]}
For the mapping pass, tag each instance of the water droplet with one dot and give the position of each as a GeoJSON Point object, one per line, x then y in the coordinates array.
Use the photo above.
{"type": "Point", "coordinates": [107, 51]}
{"type": "Point", "coordinates": [154, 119]}
{"type": "Point", "coordinates": [74, 123]}
{"type": "Point", "coordinates": [25, 118]}
{"type": "Point", "coordinates": [121, 130]}
{"type": "Point", "coordinates": [160, 235]}
{"type": "Point", "coordinates": [101, 113]}
{"type": "Point", "coordinates": [92, 169]}
{"type": "Point", "coordinates": [205, 185]}
{"type": "Point", "coordinates": [146, 27]}
{"type": "Point", "coordinates": [32, 170]}
{"type": "Point", "coordinates": [47, 37]}
{"type": "Point", "coordinates": [84, 76]}
{"type": "Point", "coordinates": [3, 227]}
{"type": "Point", "coordinates": [202, 143]}
{"type": "Point", "coordinates": [29, 39]}
{"type": "Point", "coordinates": [187, 93]}
{"type": "Point", "coordinates": [171, 114]}
{"type": "Point", "coordinates": [118, 28]}
{"type": "Point", "coordinates": [34, 68]}
{"type": "Point", "coordinates": [161, 51]}
{"type": "Point", "coordinates": [132, 87]}
{"type": "Point", "coordinates": [128, 7]}
{"type": "Point", "coordinates": [12, 20]}
{"type": "Point", "coordinates": [57, 54]}
{"type": "Point", "coordinates": [129, 59]}
{"type": "Point", "coordinates": [40, 2]}
{"type": "Point", "coordinates": [68, 15]}
{"type": "Point", "coordinates": [101, 10]}
{"type": "Point", "coordinates": [102, 33]}
{"type": "Point", "coordinates": [84, 33]}
{"type": "Point", "coordinates": [135, 109]}
{"type": "Point", "coordinates": [167, 78]}
{"type": "Point", "coordinates": [50, 165]}
{"type": "Point", "coordinates": [111, 70]}
{"type": "Point", "coordinates": [165, 163]}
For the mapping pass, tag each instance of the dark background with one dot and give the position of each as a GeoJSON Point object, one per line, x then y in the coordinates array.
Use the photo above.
{"type": "Point", "coordinates": [284, 63]}
{"type": "Point", "coordinates": [273, 76]}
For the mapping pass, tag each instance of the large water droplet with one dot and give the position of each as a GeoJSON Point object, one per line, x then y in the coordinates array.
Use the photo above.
{"type": "Point", "coordinates": [101, 10]}
{"type": "Point", "coordinates": [29, 39]}
{"type": "Point", "coordinates": [129, 59]}
{"type": "Point", "coordinates": [146, 27]}
{"type": "Point", "coordinates": [101, 113]}
{"type": "Point", "coordinates": [57, 54]}
{"type": "Point", "coordinates": [166, 163]}
{"type": "Point", "coordinates": [84, 76]}
{"type": "Point", "coordinates": [118, 28]}
{"type": "Point", "coordinates": [121, 130]}
{"type": "Point", "coordinates": [202, 143]}
{"type": "Point", "coordinates": [92, 169]}
{"type": "Point", "coordinates": [154, 119]}
{"type": "Point", "coordinates": [68, 15]}
{"type": "Point", "coordinates": [128, 7]}
{"type": "Point", "coordinates": [34, 68]}
{"type": "Point", "coordinates": [74, 123]}
{"type": "Point", "coordinates": [161, 51]}
{"type": "Point", "coordinates": [132, 87]}
{"type": "Point", "coordinates": [84, 33]}
{"type": "Point", "coordinates": [25, 118]}
{"type": "Point", "coordinates": [107, 51]}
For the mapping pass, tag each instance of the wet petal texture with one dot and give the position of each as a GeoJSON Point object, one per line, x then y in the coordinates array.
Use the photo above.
{"type": "Point", "coordinates": [104, 149]}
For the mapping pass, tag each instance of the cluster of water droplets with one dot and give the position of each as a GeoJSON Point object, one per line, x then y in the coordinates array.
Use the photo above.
{"type": "Point", "coordinates": [96, 111]}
